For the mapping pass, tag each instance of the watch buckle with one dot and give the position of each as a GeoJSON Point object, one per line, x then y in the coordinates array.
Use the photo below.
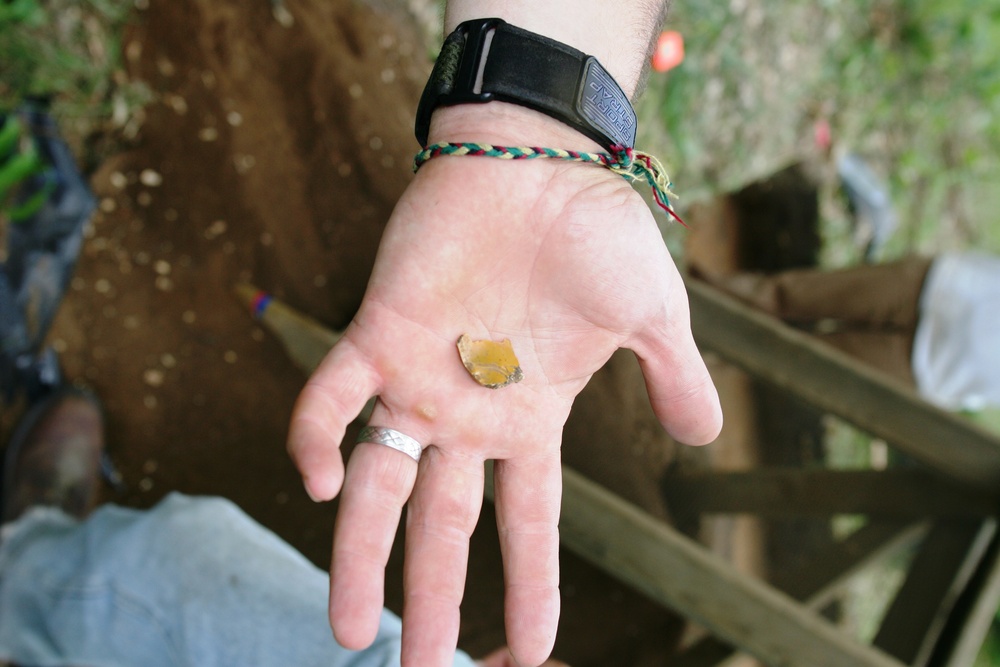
{"type": "Point", "coordinates": [478, 33]}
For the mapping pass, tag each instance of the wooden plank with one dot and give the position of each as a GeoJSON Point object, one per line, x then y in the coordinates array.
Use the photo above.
{"type": "Point", "coordinates": [975, 611]}
{"type": "Point", "coordinates": [793, 492]}
{"type": "Point", "coordinates": [944, 565]}
{"type": "Point", "coordinates": [677, 572]}
{"type": "Point", "coordinates": [841, 385]}
{"type": "Point", "coordinates": [817, 583]}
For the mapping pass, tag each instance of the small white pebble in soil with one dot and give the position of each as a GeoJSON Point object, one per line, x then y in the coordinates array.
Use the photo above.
{"type": "Point", "coordinates": [165, 67]}
{"type": "Point", "coordinates": [244, 163]}
{"type": "Point", "coordinates": [150, 178]}
{"type": "Point", "coordinates": [153, 377]}
{"type": "Point", "coordinates": [178, 104]}
{"type": "Point", "coordinates": [217, 228]}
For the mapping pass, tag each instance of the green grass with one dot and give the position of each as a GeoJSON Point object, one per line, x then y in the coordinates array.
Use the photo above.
{"type": "Point", "coordinates": [69, 52]}
{"type": "Point", "coordinates": [989, 654]}
{"type": "Point", "coordinates": [910, 84]}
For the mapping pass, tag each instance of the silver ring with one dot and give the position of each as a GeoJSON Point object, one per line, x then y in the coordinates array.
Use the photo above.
{"type": "Point", "coordinates": [401, 442]}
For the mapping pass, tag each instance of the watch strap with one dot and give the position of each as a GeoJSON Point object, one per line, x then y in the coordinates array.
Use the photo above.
{"type": "Point", "coordinates": [488, 59]}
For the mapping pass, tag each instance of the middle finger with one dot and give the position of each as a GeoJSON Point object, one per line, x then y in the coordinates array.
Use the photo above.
{"type": "Point", "coordinates": [441, 516]}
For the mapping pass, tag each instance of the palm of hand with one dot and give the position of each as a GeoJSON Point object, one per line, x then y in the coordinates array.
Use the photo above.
{"type": "Point", "coordinates": [569, 267]}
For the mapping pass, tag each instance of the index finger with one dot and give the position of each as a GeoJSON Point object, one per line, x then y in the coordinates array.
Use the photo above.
{"type": "Point", "coordinates": [331, 399]}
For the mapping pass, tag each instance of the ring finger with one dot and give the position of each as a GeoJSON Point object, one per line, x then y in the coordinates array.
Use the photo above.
{"type": "Point", "coordinates": [442, 514]}
{"type": "Point", "coordinates": [378, 482]}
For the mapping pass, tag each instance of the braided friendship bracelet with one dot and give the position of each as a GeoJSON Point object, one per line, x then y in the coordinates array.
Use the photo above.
{"type": "Point", "coordinates": [627, 162]}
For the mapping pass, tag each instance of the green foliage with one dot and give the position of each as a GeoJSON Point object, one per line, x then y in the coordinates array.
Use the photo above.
{"type": "Point", "coordinates": [737, 109]}
{"type": "Point", "coordinates": [989, 654]}
{"type": "Point", "coordinates": [924, 73]}
{"type": "Point", "coordinates": [910, 84]}
{"type": "Point", "coordinates": [68, 51]}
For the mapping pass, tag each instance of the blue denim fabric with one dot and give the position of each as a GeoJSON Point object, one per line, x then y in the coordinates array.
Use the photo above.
{"type": "Point", "coordinates": [194, 581]}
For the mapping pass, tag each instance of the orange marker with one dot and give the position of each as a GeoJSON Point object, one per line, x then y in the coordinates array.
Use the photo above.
{"type": "Point", "coordinates": [669, 51]}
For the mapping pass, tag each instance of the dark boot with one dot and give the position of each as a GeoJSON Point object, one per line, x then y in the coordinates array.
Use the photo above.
{"type": "Point", "coordinates": [54, 457]}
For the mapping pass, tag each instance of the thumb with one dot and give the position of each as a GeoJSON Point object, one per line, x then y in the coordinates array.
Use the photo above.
{"type": "Point", "coordinates": [680, 388]}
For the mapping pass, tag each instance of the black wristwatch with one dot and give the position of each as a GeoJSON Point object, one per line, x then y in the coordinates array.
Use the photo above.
{"type": "Point", "coordinates": [488, 59]}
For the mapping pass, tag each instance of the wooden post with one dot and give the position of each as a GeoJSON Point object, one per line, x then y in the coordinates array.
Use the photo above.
{"type": "Point", "coordinates": [792, 492]}
{"type": "Point", "coordinates": [818, 582]}
{"type": "Point", "coordinates": [968, 625]}
{"type": "Point", "coordinates": [843, 386]}
{"type": "Point", "coordinates": [940, 572]}
{"type": "Point", "coordinates": [671, 569]}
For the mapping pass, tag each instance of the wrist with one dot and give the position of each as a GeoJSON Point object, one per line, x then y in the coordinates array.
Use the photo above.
{"type": "Point", "coordinates": [505, 124]}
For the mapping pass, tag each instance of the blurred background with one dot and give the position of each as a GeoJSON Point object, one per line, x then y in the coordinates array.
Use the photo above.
{"type": "Point", "coordinates": [161, 106]}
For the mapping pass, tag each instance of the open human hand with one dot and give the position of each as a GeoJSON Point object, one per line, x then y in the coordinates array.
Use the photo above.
{"type": "Point", "coordinates": [566, 261]}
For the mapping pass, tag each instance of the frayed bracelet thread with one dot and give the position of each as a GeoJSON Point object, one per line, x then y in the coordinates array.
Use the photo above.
{"type": "Point", "coordinates": [626, 162]}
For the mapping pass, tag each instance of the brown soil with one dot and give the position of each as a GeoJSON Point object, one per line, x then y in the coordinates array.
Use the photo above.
{"type": "Point", "coordinates": [274, 155]}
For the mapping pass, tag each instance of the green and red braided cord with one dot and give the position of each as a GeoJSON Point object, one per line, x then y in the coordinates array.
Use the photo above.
{"type": "Point", "coordinates": [626, 162]}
